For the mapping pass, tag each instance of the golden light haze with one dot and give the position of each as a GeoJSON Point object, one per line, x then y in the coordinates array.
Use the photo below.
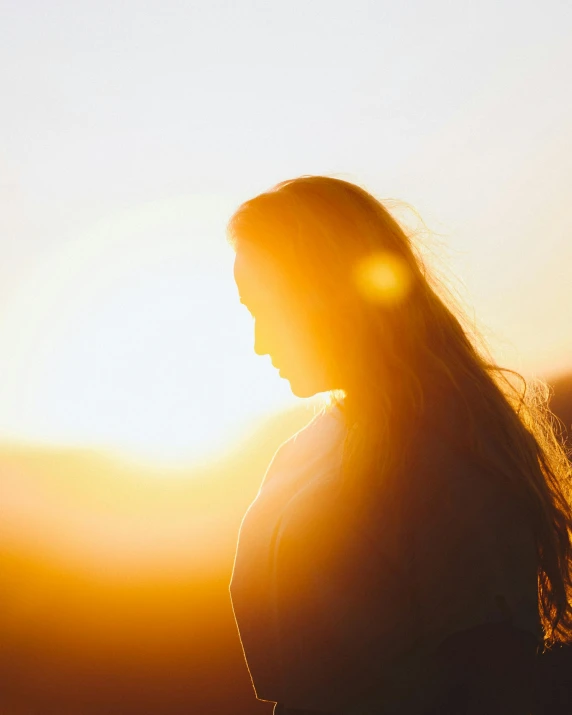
{"type": "Point", "coordinates": [115, 579]}
{"type": "Point", "coordinates": [136, 420]}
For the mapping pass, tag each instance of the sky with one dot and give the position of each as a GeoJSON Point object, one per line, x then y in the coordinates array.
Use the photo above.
{"type": "Point", "coordinates": [130, 131]}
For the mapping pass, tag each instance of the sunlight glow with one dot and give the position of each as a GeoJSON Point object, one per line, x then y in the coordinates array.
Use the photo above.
{"type": "Point", "coordinates": [132, 338]}
{"type": "Point", "coordinates": [383, 277]}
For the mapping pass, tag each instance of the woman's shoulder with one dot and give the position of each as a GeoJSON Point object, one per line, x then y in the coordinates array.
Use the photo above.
{"type": "Point", "coordinates": [317, 442]}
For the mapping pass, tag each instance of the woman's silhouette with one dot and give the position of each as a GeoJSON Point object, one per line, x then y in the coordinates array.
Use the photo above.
{"type": "Point", "coordinates": [409, 551]}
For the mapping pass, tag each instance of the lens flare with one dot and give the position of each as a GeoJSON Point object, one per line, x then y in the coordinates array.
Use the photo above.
{"type": "Point", "coordinates": [383, 277]}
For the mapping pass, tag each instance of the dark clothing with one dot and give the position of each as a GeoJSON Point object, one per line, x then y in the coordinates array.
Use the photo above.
{"type": "Point", "coordinates": [351, 617]}
{"type": "Point", "coordinates": [491, 669]}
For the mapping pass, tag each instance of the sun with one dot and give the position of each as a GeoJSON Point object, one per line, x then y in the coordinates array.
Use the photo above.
{"type": "Point", "coordinates": [131, 337]}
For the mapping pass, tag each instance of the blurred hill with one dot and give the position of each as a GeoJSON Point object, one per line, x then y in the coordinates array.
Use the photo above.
{"type": "Point", "coordinates": [114, 580]}
{"type": "Point", "coordinates": [561, 402]}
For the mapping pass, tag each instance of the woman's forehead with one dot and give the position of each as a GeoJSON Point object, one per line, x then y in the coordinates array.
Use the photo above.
{"type": "Point", "coordinates": [253, 270]}
{"type": "Point", "coordinates": [263, 286]}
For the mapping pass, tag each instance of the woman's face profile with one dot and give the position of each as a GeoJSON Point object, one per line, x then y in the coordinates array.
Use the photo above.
{"type": "Point", "coordinates": [285, 327]}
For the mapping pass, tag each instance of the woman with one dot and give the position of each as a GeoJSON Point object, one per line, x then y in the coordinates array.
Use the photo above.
{"type": "Point", "coordinates": [409, 551]}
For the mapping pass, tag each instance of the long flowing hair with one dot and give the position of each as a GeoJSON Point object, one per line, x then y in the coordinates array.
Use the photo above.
{"type": "Point", "coordinates": [335, 239]}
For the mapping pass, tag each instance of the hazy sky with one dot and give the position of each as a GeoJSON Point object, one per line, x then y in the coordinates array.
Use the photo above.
{"type": "Point", "coordinates": [129, 131]}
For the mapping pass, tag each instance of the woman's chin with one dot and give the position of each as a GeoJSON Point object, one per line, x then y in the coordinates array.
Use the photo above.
{"type": "Point", "coordinates": [301, 392]}
{"type": "Point", "coordinates": [302, 387]}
